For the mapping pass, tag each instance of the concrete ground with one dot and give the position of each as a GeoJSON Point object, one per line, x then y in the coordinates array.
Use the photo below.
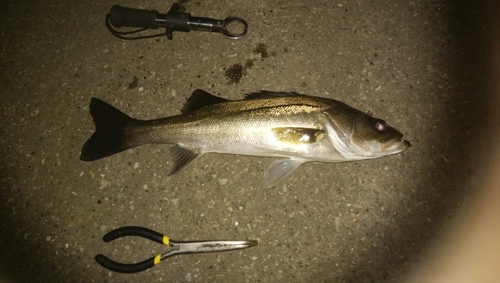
{"type": "Point", "coordinates": [412, 63]}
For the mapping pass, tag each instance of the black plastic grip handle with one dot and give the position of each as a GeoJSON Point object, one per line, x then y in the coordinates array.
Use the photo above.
{"type": "Point", "coordinates": [124, 267]}
{"type": "Point", "coordinates": [128, 17]}
{"type": "Point", "coordinates": [133, 231]}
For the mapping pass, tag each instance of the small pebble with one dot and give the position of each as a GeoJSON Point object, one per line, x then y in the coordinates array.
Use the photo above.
{"type": "Point", "coordinates": [104, 183]}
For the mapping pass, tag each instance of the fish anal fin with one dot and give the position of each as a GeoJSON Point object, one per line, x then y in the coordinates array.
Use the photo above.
{"type": "Point", "coordinates": [199, 99]}
{"type": "Point", "coordinates": [280, 169]}
{"type": "Point", "coordinates": [183, 157]}
{"type": "Point", "coordinates": [292, 135]}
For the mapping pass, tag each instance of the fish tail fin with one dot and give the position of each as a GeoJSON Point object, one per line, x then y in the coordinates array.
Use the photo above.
{"type": "Point", "coordinates": [110, 134]}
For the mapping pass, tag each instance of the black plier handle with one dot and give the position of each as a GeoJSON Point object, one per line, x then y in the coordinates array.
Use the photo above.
{"type": "Point", "coordinates": [132, 231]}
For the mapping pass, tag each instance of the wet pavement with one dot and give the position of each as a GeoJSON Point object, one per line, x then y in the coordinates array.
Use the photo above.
{"type": "Point", "coordinates": [413, 64]}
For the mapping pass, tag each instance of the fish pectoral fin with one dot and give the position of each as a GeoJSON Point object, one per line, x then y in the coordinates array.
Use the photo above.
{"type": "Point", "coordinates": [291, 135]}
{"type": "Point", "coordinates": [199, 99]}
{"type": "Point", "coordinates": [280, 169]}
{"type": "Point", "coordinates": [183, 157]}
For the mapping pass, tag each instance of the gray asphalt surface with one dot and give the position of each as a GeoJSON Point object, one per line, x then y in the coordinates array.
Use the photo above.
{"type": "Point", "coordinates": [415, 64]}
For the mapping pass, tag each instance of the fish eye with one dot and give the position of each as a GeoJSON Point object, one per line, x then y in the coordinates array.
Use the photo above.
{"type": "Point", "coordinates": [380, 126]}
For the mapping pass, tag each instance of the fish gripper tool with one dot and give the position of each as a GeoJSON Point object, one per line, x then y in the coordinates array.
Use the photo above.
{"type": "Point", "coordinates": [173, 20]}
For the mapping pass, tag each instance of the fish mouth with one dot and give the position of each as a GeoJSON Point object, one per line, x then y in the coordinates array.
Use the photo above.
{"type": "Point", "coordinates": [403, 144]}
{"type": "Point", "coordinates": [396, 147]}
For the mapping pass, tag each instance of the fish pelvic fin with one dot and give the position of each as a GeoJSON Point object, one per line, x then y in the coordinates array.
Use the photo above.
{"type": "Point", "coordinates": [183, 157]}
{"type": "Point", "coordinates": [109, 136]}
{"type": "Point", "coordinates": [280, 169]}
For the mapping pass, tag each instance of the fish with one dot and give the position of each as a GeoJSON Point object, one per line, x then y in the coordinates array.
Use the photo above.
{"type": "Point", "coordinates": [293, 127]}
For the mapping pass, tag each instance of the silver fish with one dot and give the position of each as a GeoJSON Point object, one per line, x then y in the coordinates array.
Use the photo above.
{"type": "Point", "coordinates": [295, 127]}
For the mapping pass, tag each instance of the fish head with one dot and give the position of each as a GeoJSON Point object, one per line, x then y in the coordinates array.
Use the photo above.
{"type": "Point", "coordinates": [372, 137]}
{"type": "Point", "coordinates": [356, 136]}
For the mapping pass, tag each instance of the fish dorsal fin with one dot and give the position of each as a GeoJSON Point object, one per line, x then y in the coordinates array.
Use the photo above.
{"type": "Point", "coordinates": [270, 94]}
{"type": "Point", "coordinates": [291, 135]}
{"type": "Point", "coordinates": [199, 99]}
{"type": "Point", "coordinates": [183, 157]}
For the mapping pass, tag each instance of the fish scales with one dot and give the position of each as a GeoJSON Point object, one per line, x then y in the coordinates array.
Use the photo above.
{"type": "Point", "coordinates": [296, 127]}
